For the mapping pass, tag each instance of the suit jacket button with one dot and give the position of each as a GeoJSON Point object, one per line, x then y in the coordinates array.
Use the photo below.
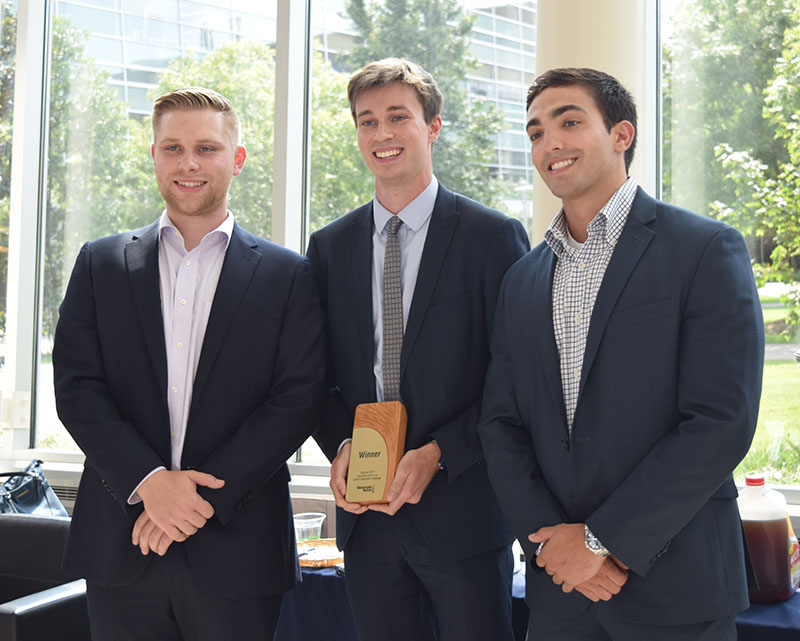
{"type": "Point", "coordinates": [565, 443]}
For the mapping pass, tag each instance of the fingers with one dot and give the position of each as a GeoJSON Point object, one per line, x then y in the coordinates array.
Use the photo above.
{"type": "Point", "coordinates": [137, 527]}
{"type": "Point", "coordinates": [339, 495]}
{"type": "Point", "coordinates": [541, 535]}
{"type": "Point", "coordinates": [205, 479]}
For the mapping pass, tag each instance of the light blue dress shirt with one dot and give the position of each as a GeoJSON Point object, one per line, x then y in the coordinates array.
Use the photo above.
{"type": "Point", "coordinates": [416, 217]}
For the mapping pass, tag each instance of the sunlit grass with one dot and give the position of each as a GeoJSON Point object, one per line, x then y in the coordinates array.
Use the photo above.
{"type": "Point", "coordinates": [776, 447]}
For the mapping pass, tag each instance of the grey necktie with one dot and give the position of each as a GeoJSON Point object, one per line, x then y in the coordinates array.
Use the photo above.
{"type": "Point", "coordinates": [392, 313]}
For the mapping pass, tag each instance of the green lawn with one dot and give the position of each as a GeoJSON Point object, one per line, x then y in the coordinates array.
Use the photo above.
{"type": "Point", "coordinates": [776, 447]}
{"type": "Point", "coordinates": [772, 314]}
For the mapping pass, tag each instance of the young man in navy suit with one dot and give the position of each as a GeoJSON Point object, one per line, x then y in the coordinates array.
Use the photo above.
{"type": "Point", "coordinates": [623, 390]}
{"type": "Point", "coordinates": [441, 543]}
{"type": "Point", "coordinates": [189, 365]}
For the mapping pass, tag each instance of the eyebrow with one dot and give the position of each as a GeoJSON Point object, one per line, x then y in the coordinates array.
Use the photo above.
{"type": "Point", "coordinates": [367, 112]}
{"type": "Point", "coordinates": [205, 141]}
{"type": "Point", "coordinates": [556, 113]}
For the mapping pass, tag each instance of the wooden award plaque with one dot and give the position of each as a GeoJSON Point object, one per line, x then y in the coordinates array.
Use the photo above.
{"type": "Point", "coordinates": [379, 438]}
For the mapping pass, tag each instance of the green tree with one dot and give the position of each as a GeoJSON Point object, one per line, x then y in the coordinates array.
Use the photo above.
{"type": "Point", "coordinates": [770, 196]}
{"type": "Point", "coordinates": [436, 34]}
{"type": "Point", "coordinates": [340, 180]}
{"type": "Point", "coordinates": [719, 96]}
{"type": "Point", "coordinates": [95, 166]}
{"type": "Point", "coordinates": [8, 54]}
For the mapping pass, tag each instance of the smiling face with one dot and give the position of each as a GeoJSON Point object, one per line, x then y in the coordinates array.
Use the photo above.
{"type": "Point", "coordinates": [579, 159]}
{"type": "Point", "coordinates": [194, 161]}
{"type": "Point", "coordinates": [394, 139]}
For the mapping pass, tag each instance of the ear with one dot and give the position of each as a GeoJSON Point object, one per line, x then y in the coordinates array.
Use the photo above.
{"type": "Point", "coordinates": [434, 128]}
{"type": "Point", "coordinates": [153, 151]}
{"type": "Point", "coordinates": [623, 133]}
{"type": "Point", "coordinates": [238, 159]}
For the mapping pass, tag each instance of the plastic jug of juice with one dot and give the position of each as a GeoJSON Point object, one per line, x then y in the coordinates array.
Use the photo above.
{"type": "Point", "coordinates": [766, 528]}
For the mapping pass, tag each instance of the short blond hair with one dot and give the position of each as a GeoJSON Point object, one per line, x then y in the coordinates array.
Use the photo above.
{"type": "Point", "coordinates": [196, 99]}
{"type": "Point", "coordinates": [389, 70]}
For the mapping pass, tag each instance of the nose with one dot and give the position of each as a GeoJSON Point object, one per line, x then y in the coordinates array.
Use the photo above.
{"type": "Point", "coordinates": [188, 162]}
{"type": "Point", "coordinates": [384, 131]}
{"type": "Point", "coordinates": [551, 140]}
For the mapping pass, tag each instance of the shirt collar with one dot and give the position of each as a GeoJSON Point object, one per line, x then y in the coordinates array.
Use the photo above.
{"type": "Point", "coordinates": [612, 216]}
{"type": "Point", "coordinates": [224, 229]}
{"type": "Point", "coordinates": [414, 214]}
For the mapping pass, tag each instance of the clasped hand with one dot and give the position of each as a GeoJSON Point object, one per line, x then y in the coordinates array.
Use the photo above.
{"type": "Point", "coordinates": [173, 510]}
{"type": "Point", "coordinates": [572, 566]}
{"type": "Point", "coordinates": [414, 473]}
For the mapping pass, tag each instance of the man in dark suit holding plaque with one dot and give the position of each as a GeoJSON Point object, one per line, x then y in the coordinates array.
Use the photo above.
{"type": "Point", "coordinates": [440, 545]}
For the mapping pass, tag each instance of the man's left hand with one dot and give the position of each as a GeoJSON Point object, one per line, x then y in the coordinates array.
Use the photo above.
{"type": "Point", "coordinates": [149, 537]}
{"type": "Point", "coordinates": [414, 473]}
{"type": "Point", "coordinates": [565, 556]}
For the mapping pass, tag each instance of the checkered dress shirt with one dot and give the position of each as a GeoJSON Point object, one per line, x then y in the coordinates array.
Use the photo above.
{"type": "Point", "coordinates": [578, 275]}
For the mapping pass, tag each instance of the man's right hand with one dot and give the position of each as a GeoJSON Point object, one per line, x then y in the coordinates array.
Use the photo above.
{"type": "Point", "coordinates": [173, 504]}
{"type": "Point", "coordinates": [339, 481]}
{"type": "Point", "coordinates": [606, 583]}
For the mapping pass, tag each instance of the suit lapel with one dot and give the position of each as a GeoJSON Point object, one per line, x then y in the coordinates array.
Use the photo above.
{"type": "Point", "coordinates": [440, 231]}
{"type": "Point", "coordinates": [361, 271]}
{"type": "Point", "coordinates": [240, 262]}
{"type": "Point", "coordinates": [636, 236]}
{"type": "Point", "coordinates": [141, 260]}
{"type": "Point", "coordinates": [541, 329]}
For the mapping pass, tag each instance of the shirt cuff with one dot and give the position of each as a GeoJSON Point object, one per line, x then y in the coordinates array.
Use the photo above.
{"type": "Point", "coordinates": [134, 498]}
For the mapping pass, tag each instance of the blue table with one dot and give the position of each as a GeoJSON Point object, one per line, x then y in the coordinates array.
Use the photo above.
{"type": "Point", "coordinates": [318, 609]}
{"type": "Point", "coordinates": [773, 622]}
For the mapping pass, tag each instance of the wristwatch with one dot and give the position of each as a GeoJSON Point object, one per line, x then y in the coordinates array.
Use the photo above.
{"type": "Point", "coordinates": [593, 543]}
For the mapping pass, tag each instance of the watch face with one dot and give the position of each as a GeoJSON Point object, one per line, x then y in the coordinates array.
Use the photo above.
{"type": "Point", "coordinates": [593, 544]}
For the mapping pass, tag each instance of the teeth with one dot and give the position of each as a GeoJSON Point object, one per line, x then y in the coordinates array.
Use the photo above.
{"type": "Point", "coordinates": [190, 185]}
{"type": "Point", "coordinates": [561, 164]}
{"type": "Point", "coordinates": [387, 154]}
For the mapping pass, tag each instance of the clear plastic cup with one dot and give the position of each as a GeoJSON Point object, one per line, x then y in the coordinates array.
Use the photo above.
{"type": "Point", "coordinates": [308, 525]}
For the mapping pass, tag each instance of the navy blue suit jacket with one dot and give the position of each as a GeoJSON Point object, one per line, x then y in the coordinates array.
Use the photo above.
{"type": "Point", "coordinates": [667, 408]}
{"type": "Point", "coordinates": [444, 359]}
{"type": "Point", "coordinates": [256, 398]}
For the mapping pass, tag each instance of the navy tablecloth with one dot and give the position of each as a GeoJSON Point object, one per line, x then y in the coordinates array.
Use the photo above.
{"type": "Point", "coordinates": [318, 609]}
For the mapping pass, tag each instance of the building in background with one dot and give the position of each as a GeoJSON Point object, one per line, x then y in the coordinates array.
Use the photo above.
{"type": "Point", "coordinates": [135, 40]}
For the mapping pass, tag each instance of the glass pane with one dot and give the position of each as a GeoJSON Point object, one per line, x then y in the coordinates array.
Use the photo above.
{"type": "Point", "coordinates": [8, 63]}
{"type": "Point", "coordinates": [466, 157]}
{"type": "Point", "coordinates": [100, 177]}
{"type": "Point", "coordinates": [93, 20]}
{"type": "Point", "coordinates": [152, 31]}
{"type": "Point", "coordinates": [164, 9]}
{"type": "Point", "coordinates": [731, 148]}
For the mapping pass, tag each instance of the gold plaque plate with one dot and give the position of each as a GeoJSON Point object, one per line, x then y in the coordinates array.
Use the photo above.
{"type": "Point", "coordinates": [379, 436]}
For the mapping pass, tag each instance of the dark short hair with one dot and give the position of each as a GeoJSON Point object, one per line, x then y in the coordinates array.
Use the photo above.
{"type": "Point", "coordinates": [196, 99]}
{"type": "Point", "coordinates": [613, 100]}
{"type": "Point", "coordinates": [389, 70]}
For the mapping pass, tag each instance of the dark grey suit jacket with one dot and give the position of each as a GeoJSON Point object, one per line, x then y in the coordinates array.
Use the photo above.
{"type": "Point", "coordinates": [667, 407]}
{"type": "Point", "coordinates": [445, 354]}
{"type": "Point", "coordinates": [256, 398]}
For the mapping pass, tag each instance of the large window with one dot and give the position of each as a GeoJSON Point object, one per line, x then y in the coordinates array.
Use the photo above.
{"type": "Point", "coordinates": [82, 170]}
{"type": "Point", "coordinates": [731, 150]}
{"type": "Point", "coordinates": [105, 67]}
{"type": "Point", "coordinates": [107, 59]}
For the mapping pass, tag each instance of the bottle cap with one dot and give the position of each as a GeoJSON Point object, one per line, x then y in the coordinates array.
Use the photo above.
{"type": "Point", "coordinates": [754, 480]}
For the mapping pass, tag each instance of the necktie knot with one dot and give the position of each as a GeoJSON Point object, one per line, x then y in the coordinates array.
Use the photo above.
{"type": "Point", "coordinates": [394, 224]}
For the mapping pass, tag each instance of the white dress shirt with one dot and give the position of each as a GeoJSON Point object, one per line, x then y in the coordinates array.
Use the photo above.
{"type": "Point", "coordinates": [188, 283]}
